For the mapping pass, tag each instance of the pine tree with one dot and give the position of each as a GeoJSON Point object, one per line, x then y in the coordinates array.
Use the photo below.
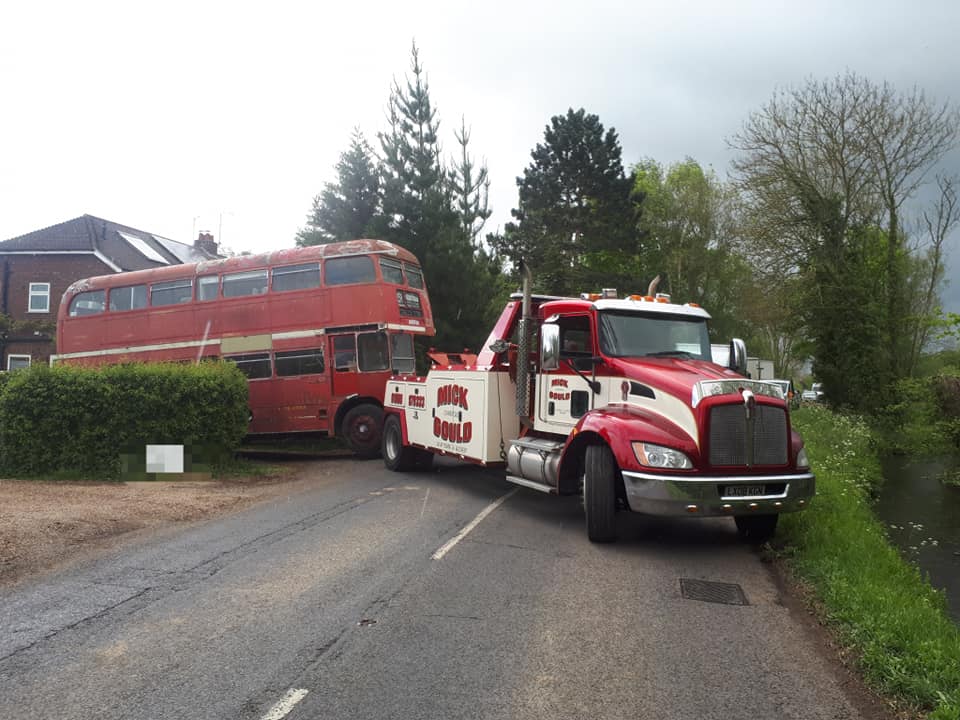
{"type": "Point", "coordinates": [434, 212]}
{"type": "Point", "coordinates": [574, 211]}
{"type": "Point", "coordinates": [345, 210]}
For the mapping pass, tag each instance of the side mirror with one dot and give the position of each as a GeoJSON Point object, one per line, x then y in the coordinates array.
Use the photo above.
{"type": "Point", "coordinates": [738, 357]}
{"type": "Point", "coordinates": [549, 346]}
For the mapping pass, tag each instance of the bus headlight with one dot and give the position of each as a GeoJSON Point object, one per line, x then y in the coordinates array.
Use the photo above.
{"type": "Point", "coordinates": [802, 462]}
{"type": "Point", "coordinates": [659, 456]}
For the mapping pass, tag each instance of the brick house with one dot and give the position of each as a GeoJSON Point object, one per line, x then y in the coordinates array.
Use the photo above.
{"type": "Point", "coordinates": [36, 269]}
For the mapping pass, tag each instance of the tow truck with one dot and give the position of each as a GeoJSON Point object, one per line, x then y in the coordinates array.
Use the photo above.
{"type": "Point", "coordinates": [615, 399]}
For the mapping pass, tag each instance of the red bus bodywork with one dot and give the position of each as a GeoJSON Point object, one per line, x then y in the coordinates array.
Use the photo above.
{"type": "Point", "coordinates": [317, 330]}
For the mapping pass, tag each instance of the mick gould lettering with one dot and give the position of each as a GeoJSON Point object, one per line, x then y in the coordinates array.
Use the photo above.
{"type": "Point", "coordinates": [459, 433]}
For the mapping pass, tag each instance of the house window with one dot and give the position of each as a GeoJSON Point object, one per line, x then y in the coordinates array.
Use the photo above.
{"type": "Point", "coordinates": [39, 297]}
{"type": "Point", "coordinates": [18, 362]}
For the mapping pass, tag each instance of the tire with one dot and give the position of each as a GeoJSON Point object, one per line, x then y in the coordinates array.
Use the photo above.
{"type": "Point", "coordinates": [396, 456]}
{"type": "Point", "coordinates": [600, 494]}
{"type": "Point", "coordinates": [756, 529]}
{"type": "Point", "coordinates": [362, 428]}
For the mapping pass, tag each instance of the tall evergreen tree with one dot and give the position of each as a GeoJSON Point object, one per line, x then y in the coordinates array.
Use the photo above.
{"type": "Point", "coordinates": [574, 209]}
{"type": "Point", "coordinates": [345, 209]}
{"type": "Point", "coordinates": [432, 215]}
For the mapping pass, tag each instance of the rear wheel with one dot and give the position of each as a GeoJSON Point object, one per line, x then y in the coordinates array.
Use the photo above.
{"type": "Point", "coordinates": [396, 456]}
{"type": "Point", "coordinates": [362, 427]}
{"type": "Point", "coordinates": [600, 494]}
{"type": "Point", "coordinates": [756, 529]}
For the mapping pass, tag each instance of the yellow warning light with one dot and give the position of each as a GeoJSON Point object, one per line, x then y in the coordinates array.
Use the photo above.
{"type": "Point", "coordinates": [589, 296]}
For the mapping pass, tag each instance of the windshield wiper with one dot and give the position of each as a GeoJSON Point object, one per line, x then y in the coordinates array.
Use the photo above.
{"type": "Point", "coordinates": [670, 353]}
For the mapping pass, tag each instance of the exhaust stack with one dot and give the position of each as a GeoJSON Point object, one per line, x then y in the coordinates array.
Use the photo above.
{"type": "Point", "coordinates": [523, 347]}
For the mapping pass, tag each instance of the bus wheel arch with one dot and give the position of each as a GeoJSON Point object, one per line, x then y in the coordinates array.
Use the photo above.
{"type": "Point", "coordinates": [360, 424]}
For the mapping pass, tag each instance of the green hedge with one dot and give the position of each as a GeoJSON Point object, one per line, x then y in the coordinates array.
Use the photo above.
{"type": "Point", "coordinates": [80, 421]}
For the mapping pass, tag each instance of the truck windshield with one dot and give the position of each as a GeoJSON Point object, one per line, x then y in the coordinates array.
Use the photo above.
{"type": "Point", "coordinates": [624, 334]}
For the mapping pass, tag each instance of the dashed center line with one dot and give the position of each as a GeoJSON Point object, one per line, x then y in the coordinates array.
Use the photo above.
{"type": "Point", "coordinates": [285, 704]}
{"type": "Point", "coordinates": [448, 545]}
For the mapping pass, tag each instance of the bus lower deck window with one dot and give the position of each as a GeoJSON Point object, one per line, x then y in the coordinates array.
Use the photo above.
{"type": "Point", "coordinates": [401, 350]}
{"type": "Point", "coordinates": [299, 362]}
{"type": "Point", "coordinates": [344, 352]}
{"type": "Point", "coordinates": [254, 365]}
{"type": "Point", "coordinates": [372, 351]}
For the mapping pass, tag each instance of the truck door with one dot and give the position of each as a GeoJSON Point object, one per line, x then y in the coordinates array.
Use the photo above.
{"type": "Point", "coordinates": [562, 395]}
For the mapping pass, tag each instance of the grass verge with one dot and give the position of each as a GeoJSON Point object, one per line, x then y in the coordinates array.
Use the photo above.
{"type": "Point", "coordinates": [880, 605]}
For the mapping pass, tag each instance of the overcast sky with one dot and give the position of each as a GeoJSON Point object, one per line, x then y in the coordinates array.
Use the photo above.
{"type": "Point", "coordinates": [176, 117]}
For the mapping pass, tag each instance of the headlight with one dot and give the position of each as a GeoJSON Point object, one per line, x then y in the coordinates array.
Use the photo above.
{"type": "Point", "coordinates": [802, 461]}
{"type": "Point", "coordinates": [660, 457]}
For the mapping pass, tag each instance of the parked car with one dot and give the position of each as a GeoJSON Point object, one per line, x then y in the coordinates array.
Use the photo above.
{"type": "Point", "coordinates": [814, 394]}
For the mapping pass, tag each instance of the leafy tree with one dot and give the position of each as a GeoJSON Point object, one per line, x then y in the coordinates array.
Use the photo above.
{"type": "Point", "coordinates": [346, 209]}
{"type": "Point", "coordinates": [687, 224]}
{"type": "Point", "coordinates": [826, 170]}
{"type": "Point", "coordinates": [574, 219]}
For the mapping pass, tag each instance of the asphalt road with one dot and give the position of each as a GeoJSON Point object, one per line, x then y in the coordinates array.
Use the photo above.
{"type": "Point", "coordinates": [329, 603]}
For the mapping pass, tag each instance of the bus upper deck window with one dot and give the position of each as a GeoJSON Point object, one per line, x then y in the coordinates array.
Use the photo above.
{"type": "Point", "coordinates": [207, 287]}
{"type": "Point", "coordinates": [296, 277]}
{"type": "Point", "coordinates": [88, 303]}
{"type": "Point", "coordinates": [414, 276]}
{"type": "Point", "coordinates": [239, 284]}
{"type": "Point", "coordinates": [128, 298]}
{"type": "Point", "coordinates": [391, 270]}
{"type": "Point", "coordinates": [173, 292]}
{"type": "Point", "coordinates": [346, 270]}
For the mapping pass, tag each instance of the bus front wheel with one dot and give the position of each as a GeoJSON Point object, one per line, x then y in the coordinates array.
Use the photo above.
{"type": "Point", "coordinates": [362, 426]}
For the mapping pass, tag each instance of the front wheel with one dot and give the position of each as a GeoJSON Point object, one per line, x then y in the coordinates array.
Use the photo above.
{"type": "Point", "coordinates": [396, 456]}
{"type": "Point", "coordinates": [600, 494]}
{"type": "Point", "coordinates": [756, 529]}
{"type": "Point", "coordinates": [362, 426]}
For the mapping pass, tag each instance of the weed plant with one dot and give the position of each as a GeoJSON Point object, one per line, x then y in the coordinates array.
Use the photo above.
{"type": "Point", "coordinates": [879, 603]}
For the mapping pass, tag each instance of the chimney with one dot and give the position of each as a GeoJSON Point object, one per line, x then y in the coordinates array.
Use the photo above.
{"type": "Point", "coordinates": [206, 243]}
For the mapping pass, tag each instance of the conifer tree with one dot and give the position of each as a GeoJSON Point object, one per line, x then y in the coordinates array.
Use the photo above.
{"type": "Point", "coordinates": [346, 209]}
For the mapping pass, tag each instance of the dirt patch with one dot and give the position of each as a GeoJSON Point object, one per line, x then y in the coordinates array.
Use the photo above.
{"type": "Point", "coordinates": [44, 525]}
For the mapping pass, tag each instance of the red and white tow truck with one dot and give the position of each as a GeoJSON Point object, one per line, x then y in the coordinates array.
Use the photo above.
{"type": "Point", "coordinates": [617, 399]}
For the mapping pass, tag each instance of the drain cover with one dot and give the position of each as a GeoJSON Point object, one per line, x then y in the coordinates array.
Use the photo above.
{"type": "Point", "coordinates": [715, 592]}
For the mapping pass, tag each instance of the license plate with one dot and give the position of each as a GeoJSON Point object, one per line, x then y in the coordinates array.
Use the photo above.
{"type": "Point", "coordinates": [744, 490]}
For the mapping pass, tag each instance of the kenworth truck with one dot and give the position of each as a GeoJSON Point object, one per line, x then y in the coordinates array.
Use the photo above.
{"type": "Point", "coordinates": [615, 399]}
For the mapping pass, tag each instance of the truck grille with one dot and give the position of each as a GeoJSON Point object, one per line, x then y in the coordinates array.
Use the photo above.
{"type": "Point", "coordinates": [729, 432]}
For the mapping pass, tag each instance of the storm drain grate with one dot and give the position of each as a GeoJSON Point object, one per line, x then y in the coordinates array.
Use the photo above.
{"type": "Point", "coordinates": [715, 592]}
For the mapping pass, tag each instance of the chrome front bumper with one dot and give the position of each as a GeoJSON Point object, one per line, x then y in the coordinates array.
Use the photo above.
{"type": "Point", "coordinates": [704, 495]}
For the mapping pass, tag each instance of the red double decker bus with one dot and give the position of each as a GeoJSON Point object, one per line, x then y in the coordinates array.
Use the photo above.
{"type": "Point", "coordinates": [316, 330]}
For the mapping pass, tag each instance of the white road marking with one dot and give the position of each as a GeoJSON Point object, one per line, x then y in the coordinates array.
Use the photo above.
{"type": "Point", "coordinates": [447, 546]}
{"type": "Point", "coordinates": [424, 506]}
{"type": "Point", "coordinates": [285, 704]}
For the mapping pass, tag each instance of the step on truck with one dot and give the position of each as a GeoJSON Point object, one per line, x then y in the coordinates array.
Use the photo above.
{"type": "Point", "coordinates": [615, 399]}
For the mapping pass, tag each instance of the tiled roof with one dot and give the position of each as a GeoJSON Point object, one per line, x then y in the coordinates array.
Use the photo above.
{"type": "Point", "coordinates": [128, 248]}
